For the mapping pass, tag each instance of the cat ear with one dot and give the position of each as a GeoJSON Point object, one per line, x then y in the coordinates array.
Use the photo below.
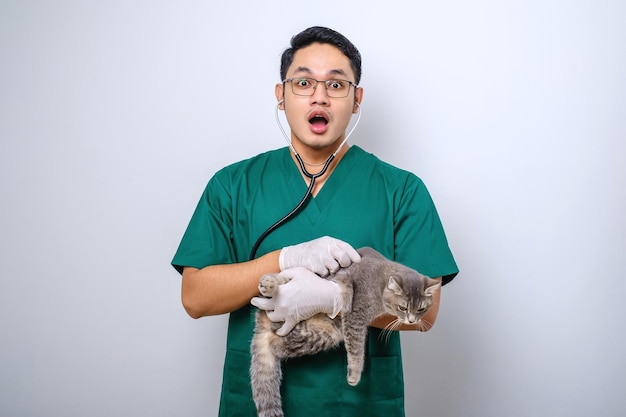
{"type": "Point", "coordinates": [431, 290]}
{"type": "Point", "coordinates": [394, 286]}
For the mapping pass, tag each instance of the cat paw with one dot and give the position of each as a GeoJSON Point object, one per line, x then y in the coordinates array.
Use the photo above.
{"type": "Point", "coordinates": [353, 377]}
{"type": "Point", "coordinates": [268, 285]}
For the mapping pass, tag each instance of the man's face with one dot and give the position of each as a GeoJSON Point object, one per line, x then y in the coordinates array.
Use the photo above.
{"type": "Point", "coordinates": [318, 121]}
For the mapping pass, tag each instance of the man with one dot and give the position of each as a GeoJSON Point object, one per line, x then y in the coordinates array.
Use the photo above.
{"type": "Point", "coordinates": [359, 201]}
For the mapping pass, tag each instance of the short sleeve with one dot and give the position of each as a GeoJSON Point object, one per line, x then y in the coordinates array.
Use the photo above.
{"type": "Point", "coordinates": [208, 237]}
{"type": "Point", "coordinates": [420, 240]}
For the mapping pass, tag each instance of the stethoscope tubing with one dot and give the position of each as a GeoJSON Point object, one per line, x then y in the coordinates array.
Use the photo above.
{"type": "Point", "coordinates": [298, 207]}
{"type": "Point", "coordinates": [305, 172]}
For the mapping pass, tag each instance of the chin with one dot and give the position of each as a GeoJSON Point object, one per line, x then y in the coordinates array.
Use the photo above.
{"type": "Point", "coordinates": [321, 142]}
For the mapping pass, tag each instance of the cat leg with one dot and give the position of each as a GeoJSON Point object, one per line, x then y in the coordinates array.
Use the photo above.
{"type": "Point", "coordinates": [355, 335]}
{"type": "Point", "coordinates": [347, 289]}
{"type": "Point", "coordinates": [265, 369]}
{"type": "Point", "coordinates": [314, 335]}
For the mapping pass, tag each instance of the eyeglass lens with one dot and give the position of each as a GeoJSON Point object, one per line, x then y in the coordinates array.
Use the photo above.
{"type": "Point", "coordinates": [334, 88]}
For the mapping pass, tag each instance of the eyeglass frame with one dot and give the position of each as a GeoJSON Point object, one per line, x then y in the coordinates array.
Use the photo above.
{"type": "Point", "coordinates": [350, 83]}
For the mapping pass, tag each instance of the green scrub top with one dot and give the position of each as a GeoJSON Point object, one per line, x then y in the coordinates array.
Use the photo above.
{"type": "Point", "coordinates": [364, 202]}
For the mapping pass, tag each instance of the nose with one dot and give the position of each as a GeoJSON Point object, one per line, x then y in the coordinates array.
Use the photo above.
{"type": "Point", "coordinates": [320, 96]}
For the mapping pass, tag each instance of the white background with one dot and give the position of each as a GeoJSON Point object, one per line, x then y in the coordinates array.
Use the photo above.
{"type": "Point", "coordinates": [113, 115]}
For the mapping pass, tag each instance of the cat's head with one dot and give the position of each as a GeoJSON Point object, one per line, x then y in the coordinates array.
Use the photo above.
{"type": "Point", "coordinates": [408, 295]}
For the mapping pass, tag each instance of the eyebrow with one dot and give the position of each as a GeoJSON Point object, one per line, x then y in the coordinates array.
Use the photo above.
{"type": "Point", "coordinates": [331, 72]}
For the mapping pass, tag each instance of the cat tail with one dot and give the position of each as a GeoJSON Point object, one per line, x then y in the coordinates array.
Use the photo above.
{"type": "Point", "coordinates": [265, 370]}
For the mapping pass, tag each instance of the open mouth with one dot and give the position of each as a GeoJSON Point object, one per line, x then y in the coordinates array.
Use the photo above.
{"type": "Point", "coordinates": [318, 120]}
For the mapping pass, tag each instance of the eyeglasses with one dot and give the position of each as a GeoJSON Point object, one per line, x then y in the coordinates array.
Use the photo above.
{"type": "Point", "coordinates": [306, 87]}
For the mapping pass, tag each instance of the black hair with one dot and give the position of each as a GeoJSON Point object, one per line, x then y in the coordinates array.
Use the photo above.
{"type": "Point", "coordinates": [321, 34]}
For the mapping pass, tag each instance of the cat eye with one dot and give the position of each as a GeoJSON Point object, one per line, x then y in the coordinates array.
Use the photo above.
{"type": "Point", "coordinates": [402, 308]}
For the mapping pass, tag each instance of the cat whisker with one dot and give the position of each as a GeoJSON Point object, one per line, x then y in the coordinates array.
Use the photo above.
{"type": "Point", "coordinates": [423, 325]}
{"type": "Point", "coordinates": [388, 330]}
{"type": "Point", "coordinates": [382, 336]}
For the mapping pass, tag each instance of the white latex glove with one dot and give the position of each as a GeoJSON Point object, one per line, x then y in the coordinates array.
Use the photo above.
{"type": "Point", "coordinates": [323, 256]}
{"type": "Point", "coordinates": [301, 298]}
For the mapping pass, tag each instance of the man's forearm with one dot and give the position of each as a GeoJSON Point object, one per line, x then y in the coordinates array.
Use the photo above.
{"type": "Point", "coordinates": [220, 289]}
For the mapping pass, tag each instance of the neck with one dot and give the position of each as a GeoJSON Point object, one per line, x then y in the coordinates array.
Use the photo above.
{"type": "Point", "coordinates": [314, 163]}
{"type": "Point", "coordinates": [316, 151]}
{"type": "Point", "coordinates": [315, 159]}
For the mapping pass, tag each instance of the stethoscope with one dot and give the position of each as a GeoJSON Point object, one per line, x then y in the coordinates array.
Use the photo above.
{"type": "Point", "coordinates": [305, 172]}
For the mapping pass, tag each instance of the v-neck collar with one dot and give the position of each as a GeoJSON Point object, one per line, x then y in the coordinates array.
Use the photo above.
{"type": "Point", "coordinates": [316, 205]}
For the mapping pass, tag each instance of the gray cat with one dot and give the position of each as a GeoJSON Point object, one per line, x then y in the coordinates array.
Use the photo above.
{"type": "Point", "coordinates": [370, 288]}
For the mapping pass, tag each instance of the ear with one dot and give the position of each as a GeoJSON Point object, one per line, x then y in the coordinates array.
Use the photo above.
{"type": "Point", "coordinates": [393, 285]}
{"type": "Point", "coordinates": [280, 96]}
{"type": "Point", "coordinates": [430, 291]}
{"type": "Point", "coordinates": [358, 97]}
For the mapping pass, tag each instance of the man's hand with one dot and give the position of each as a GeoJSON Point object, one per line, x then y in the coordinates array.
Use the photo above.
{"type": "Point", "coordinates": [323, 256]}
{"type": "Point", "coordinates": [304, 296]}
